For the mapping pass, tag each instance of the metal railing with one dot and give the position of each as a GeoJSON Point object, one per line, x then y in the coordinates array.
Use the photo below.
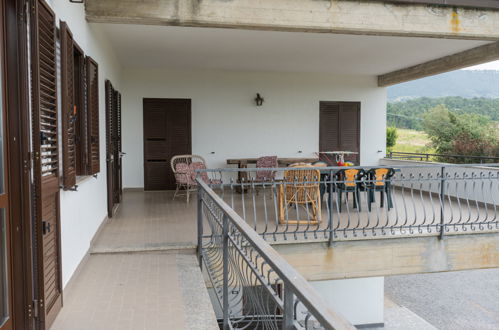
{"type": "Point", "coordinates": [427, 157]}
{"type": "Point", "coordinates": [254, 286]}
{"type": "Point", "coordinates": [417, 200]}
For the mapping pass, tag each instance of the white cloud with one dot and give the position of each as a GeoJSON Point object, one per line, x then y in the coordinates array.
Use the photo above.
{"type": "Point", "coordinates": [486, 66]}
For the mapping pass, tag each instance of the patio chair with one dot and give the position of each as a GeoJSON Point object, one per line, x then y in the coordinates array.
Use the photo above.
{"type": "Point", "coordinates": [379, 179]}
{"type": "Point", "coordinates": [266, 175]}
{"type": "Point", "coordinates": [300, 188]}
{"type": "Point", "coordinates": [350, 181]}
{"type": "Point", "coordinates": [266, 162]}
{"type": "Point", "coordinates": [184, 168]}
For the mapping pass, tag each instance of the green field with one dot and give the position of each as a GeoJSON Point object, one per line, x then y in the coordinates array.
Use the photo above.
{"type": "Point", "coordinates": [410, 140]}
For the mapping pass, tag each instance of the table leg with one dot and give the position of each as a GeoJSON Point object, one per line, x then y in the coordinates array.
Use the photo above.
{"type": "Point", "coordinates": [242, 177]}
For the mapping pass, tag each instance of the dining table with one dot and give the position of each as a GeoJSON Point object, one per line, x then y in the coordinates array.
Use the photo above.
{"type": "Point", "coordinates": [282, 162]}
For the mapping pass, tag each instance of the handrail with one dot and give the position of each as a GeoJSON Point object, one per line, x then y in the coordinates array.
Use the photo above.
{"type": "Point", "coordinates": [427, 156]}
{"type": "Point", "coordinates": [294, 281]}
{"type": "Point", "coordinates": [413, 200]}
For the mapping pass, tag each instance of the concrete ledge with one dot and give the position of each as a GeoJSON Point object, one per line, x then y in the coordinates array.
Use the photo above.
{"type": "Point", "coordinates": [337, 16]}
{"type": "Point", "coordinates": [396, 256]}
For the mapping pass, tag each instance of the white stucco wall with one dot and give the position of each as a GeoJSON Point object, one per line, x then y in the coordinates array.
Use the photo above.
{"type": "Point", "coordinates": [83, 211]}
{"type": "Point", "coordinates": [226, 121]}
{"type": "Point", "coordinates": [359, 300]}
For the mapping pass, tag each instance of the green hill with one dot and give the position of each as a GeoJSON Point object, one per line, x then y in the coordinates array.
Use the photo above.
{"type": "Point", "coordinates": [407, 114]}
{"type": "Point", "coordinates": [464, 83]}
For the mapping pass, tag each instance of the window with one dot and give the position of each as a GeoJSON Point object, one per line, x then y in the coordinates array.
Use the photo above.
{"type": "Point", "coordinates": [79, 111]}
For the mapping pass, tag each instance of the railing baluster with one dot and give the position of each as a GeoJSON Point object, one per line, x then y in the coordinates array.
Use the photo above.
{"type": "Point", "coordinates": [288, 313]}
{"type": "Point", "coordinates": [200, 228]}
{"type": "Point", "coordinates": [225, 261]}
{"type": "Point", "coordinates": [442, 202]}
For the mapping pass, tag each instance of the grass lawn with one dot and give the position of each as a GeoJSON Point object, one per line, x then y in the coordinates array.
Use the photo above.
{"type": "Point", "coordinates": [410, 140]}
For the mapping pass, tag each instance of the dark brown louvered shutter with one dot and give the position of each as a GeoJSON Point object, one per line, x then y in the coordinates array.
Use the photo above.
{"type": "Point", "coordinates": [329, 139]}
{"type": "Point", "coordinates": [339, 128]}
{"type": "Point", "coordinates": [46, 160]}
{"type": "Point", "coordinates": [93, 116]}
{"type": "Point", "coordinates": [349, 122]}
{"type": "Point", "coordinates": [109, 147]}
{"type": "Point", "coordinates": [68, 110]}
{"type": "Point", "coordinates": [82, 167]}
{"type": "Point", "coordinates": [120, 151]}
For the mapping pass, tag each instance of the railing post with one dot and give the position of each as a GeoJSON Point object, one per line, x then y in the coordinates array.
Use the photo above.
{"type": "Point", "coordinates": [288, 312]}
{"type": "Point", "coordinates": [330, 204]}
{"type": "Point", "coordinates": [225, 260]}
{"type": "Point", "coordinates": [442, 202]}
{"type": "Point", "coordinates": [200, 227]}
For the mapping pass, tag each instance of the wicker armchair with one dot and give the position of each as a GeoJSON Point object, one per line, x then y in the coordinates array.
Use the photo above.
{"type": "Point", "coordinates": [300, 189]}
{"type": "Point", "coordinates": [184, 168]}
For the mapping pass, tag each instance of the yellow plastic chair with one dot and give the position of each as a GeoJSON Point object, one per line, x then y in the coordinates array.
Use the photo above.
{"type": "Point", "coordinates": [300, 188]}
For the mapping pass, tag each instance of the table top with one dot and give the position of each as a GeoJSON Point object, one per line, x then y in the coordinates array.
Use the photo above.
{"type": "Point", "coordinates": [280, 161]}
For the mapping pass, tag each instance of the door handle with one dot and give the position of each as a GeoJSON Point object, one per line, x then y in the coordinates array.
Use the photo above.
{"type": "Point", "coordinates": [46, 228]}
{"type": "Point", "coordinates": [122, 154]}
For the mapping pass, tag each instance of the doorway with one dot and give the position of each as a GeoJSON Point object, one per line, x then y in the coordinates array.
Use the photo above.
{"type": "Point", "coordinates": [167, 132]}
{"type": "Point", "coordinates": [114, 154]}
{"type": "Point", "coordinates": [339, 128]}
{"type": "Point", "coordinates": [6, 288]}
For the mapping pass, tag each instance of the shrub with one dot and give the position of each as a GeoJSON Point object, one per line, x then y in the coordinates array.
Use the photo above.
{"type": "Point", "coordinates": [391, 137]}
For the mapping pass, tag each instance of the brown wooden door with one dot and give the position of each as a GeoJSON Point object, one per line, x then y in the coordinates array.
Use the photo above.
{"type": "Point", "coordinates": [119, 164]}
{"type": "Point", "coordinates": [167, 132]}
{"type": "Point", "coordinates": [114, 153]}
{"type": "Point", "coordinates": [6, 288]}
{"type": "Point", "coordinates": [116, 139]}
{"type": "Point", "coordinates": [110, 160]}
{"type": "Point", "coordinates": [45, 162]}
{"type": "Point", "coordinates": [339, 128]}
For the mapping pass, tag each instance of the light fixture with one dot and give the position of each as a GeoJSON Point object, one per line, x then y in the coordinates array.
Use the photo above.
{"type": "Point", "coordinates": [259, 100]}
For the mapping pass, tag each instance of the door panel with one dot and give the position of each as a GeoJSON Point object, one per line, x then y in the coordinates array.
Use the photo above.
{"type": "Point", "coordinates": [6, 292]}
{"type": "Point", "coordinates": [339, 128]}
{"type": "Point", "coordinates": [46, 161]}
{"type": "Point", "coordinates": [167, 132]}
{"type": "Point", "coordinates": [109, 148]}
{"type": "Point", "coordinates": [114, 153]}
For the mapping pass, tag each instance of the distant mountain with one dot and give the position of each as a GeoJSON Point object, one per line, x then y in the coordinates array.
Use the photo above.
{"type": "Point", "coordinates": [464, 83]}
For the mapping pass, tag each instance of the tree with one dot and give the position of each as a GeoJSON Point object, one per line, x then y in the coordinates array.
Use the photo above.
{"type": "Point", "coordinates": [391, 137]}
{"type": "Point", "coordinates": [461, 134]}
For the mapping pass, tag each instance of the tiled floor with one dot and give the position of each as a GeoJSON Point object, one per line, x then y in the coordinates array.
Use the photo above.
{"type": "Point", "coordinates": [149, 221]}
{"type": "Point", "coordinates": [152, 221]}
{"type": "Point", "coordinates": [149, 290]}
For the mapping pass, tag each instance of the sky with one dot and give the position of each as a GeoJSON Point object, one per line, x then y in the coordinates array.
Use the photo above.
{"type": "Point", "coordinates": [486, 66]}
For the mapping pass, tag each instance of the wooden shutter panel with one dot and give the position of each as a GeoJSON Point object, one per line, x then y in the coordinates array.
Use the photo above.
{"type": "Point", "coordinates": [349, 122]}
{"type": "Point", "coordinates": [46, 160]}
{"type": "Point", "coordinates": [82, 167]}
{"type": "Point", "coordinates": [328, 126]}
{"type": "Point", "coordinates": [68, 110]}
{"type": "Point", "coordinates": [93, 115]}
{"type": "Point", "coordinates": [109, 147]}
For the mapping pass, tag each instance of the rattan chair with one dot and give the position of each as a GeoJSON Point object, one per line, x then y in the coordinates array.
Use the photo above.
{"type": "Point", "coordinates": [184, 167]}
{"type": "Point", "coordinates": [300, 189]}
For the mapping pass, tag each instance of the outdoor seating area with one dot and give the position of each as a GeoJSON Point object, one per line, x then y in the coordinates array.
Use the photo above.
{"type": "Point", "coordinates": [303, 182]}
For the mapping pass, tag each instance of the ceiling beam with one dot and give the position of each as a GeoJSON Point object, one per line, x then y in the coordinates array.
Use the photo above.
{"type": "Point", "coordinates": [325, 16]}
{"type": "Point", "coordinates": [467, 58]}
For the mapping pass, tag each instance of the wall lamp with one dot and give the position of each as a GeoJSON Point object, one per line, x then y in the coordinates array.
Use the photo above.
{"type": "Point", "coordinates": [259, 100]}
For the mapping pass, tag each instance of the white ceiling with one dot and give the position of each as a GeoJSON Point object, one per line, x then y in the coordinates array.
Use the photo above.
{"type": "Point", "coordinates": [151, 47]}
